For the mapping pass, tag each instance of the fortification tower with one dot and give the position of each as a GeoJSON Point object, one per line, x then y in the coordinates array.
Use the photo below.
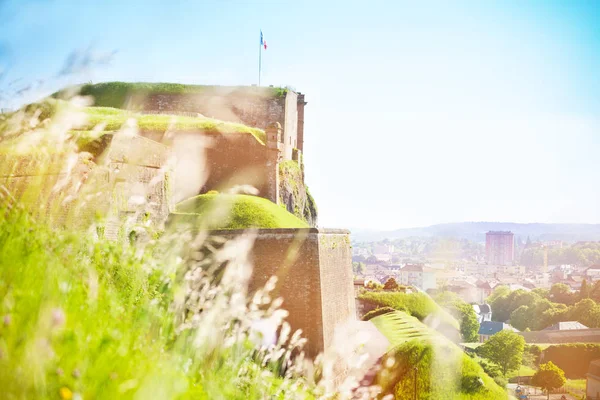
{"type": "Point", "coordinates": [274, 154]}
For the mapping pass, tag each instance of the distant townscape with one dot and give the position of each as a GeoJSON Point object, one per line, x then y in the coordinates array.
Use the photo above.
{"type": "Point", "coordinates": [473, 269]}
{"type": "Point", "coordinates": [504, 292]}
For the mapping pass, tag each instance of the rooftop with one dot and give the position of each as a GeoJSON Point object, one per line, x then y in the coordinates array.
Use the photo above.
{"type": "Point", "coordinates": [566, 325]}
{"type": "Point", "coordinates": [492, 327]}
{"type": "Point", "coordinates": [413, 268]}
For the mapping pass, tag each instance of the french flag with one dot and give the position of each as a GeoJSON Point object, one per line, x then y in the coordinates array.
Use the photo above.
{"type": "Point", "coordinates": [263, 42]}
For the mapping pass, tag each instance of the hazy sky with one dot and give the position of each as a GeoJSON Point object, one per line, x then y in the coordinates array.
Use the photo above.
{"type": "Point", "coordinates": [417, 114]}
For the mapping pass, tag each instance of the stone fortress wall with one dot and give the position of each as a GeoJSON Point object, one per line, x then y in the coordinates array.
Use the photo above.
{"type": "Point", "coordinates": [238, 159]}
{"type": "Point", "coordinates": [313, 267]}
{"type": "Point", "coordinates": [129, 181]}
{"type": "Point", "coordinates": [249, 105]}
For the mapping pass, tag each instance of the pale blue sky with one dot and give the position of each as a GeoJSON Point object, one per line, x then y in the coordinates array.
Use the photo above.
{"type": "Point", "coordinates": [418, 112]}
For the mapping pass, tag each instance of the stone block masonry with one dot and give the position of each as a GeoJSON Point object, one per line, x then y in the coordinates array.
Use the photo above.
{"type": "Point", "coordinates": [314, 278]}
{"type": "Point", "coordinates": [252, 106]}
{"type": "Point", "coordinates": [129, 179]}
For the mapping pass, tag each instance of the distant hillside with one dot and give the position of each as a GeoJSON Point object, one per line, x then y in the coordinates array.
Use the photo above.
{"type": "Point", "coordinates": [475, 231]}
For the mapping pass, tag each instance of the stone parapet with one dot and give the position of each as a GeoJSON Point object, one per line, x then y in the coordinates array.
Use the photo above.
{"type": "Point", "coordinates": [313, 267]}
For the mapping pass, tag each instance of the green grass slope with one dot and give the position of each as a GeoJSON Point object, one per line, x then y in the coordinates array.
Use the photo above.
{"type": "Point", "coordinates": [222, 211]}
{"type": "Point", "coordinates": [443, 370]}
{"type": "Point", "coordinates": [113, 119]}
{"type": "Point", "coordinates": [117, 94]}
{"type": "Point", "coordinates": [92, 319]}
{"type": "Point", "coordinates": [418, 304]}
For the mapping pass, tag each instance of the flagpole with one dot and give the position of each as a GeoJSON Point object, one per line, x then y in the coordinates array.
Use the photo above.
{"type": "Point", "coordinates": [259, 57]}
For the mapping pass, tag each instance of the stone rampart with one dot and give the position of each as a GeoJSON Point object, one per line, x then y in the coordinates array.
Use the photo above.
{"type": "Point", "coordinates": [314, 277]}
{"type": "Point", "coordinates": [130, 178]}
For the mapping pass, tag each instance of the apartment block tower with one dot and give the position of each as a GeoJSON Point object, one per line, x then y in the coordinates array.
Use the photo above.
{"type": "Point", "coordinates": [500, 247]}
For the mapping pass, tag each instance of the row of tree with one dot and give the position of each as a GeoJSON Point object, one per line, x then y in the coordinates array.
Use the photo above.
{"type": "Point", "coordinates": [584, 253]}
{"type": "Point", "coordinates": [541, 308]}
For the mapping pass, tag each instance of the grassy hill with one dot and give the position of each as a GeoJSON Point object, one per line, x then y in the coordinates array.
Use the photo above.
{"type": "Point", "coordinates": [222, 211]}
{"type": "Point", "coordinates": [443, 370]}
{"type": "Point", "coordinates": [119, 94]}
{"type": "Point", "coordinates": [113, 119]}
{"type": "Point", "coordinates": [89, 318]}
{"type": "Point", "coordinates": [419, 305]}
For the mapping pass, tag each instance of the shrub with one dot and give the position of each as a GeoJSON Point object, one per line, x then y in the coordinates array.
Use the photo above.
{"type": "Point", "coordinates": [549, 377]}
{"type": "Point", "coordinates": [574, 359]}
{"type": "Point", "coordinates": [463, 312]}
{"type": "Point", "coordinates": [531, 355]}
{"type": "Point", "coordinates": [390, 284]}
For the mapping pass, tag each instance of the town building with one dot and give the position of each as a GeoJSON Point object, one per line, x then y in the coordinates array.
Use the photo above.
{"type": "Point", "coordinates": [500, 247]}
{"type": "Point", "coordinates": [418, 276]}
{"type": "Point", "coordinates": [483, 311]}
{"type": "Point", "coordinates": [592, 387]}
{"type": "Point", "coordinates": [593, 272]}
{"type": "Point", "coordinates": [383, 249]}
{"type": "Point", "coordinates": [565, 326]}
{"type": "Point", "coordinates": [490, 328]}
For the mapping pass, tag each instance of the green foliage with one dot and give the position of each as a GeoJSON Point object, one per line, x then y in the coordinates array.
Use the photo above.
{"type": "Point", "coordinates": [294, 193]}
{"type": "Point", "coordinates": [529, 310]}
{"type": "Point", "coordinates": [573, 358]}
{"type": "Point", "coordinates": [505, 348]}
{"type": "Point", "coordinates": [371, 285]}
{"type": "Point", "coordinates": [132, 94]}
{"type": "Point", "coordinates": [493, 370]}
{"type": "Point", "coordinates": [116, 118]}
{"type": "Point", "coordinates": [234, 212]}
{"type": "Point", "coordinates": [549, 377]}
{"type": "Point", "coordinates": [358, 268]}
{"type": "Point", "coordinates": [443, 371]}
{"type": "Point", "coordinates": [87, 318]}
{"type": "Point", "coordinates": [580, 253]}
{"type": "Point", "coordinates": [584, 291]}
{"type": "Point", "coordinates": [463, 312]}
{"type": "Point", "coordinates": [418, 305]}
{"type": "Point", "coordinates": [561, 293]}
{"type": "Point", "coordinates": [531, 355]}
{"type": "Point", "coordinates": [112, 119]}
{"type": "Point", "coordinates": [377, 312]}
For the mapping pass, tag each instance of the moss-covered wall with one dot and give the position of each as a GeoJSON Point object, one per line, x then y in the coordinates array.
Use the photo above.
{"type": "Point", "coordinates": [294, 194]}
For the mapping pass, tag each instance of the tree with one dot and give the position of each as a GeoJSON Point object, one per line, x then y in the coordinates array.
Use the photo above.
{"type": "Point", "coordinates": [595, 292]}
{"type": "Point", "coordinates": [390, 284]}
{"type": "Point", "coordinates": [358, 267]}
{"type": "Point", "coordinates": [549, 377]}
{"type": "Point", "coordinates": [505, 348]}
{"type": "Point", "coordinates": [469, 326]}
{"type": "Point", "coordinates": [372, 260]}
{"type": "Point", "coordinates": [584, 292]}
{"type": "Point", "coordinates": [561, 293]}
{"type": "Point", "coordinates": [462, 311]}
{"type": "Point", "coordinates": [587, 312]}
{"type": "Point", "coordinates": [521, 318]}
{"type": "Point", "coordinates": [541, 292]}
